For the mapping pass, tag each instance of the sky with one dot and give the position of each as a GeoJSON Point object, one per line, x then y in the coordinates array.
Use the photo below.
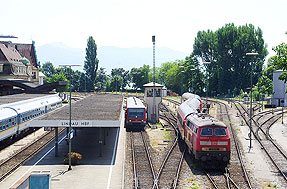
{"type": "Point", "coordinates": [131, 23]}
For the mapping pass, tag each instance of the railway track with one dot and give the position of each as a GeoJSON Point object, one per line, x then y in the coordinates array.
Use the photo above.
{"type": "Point", "coordinates": [143, 171]}
{"type": "Point", "coordinates": [276, 155]}
{"type": "Point", "coordinates": [169, 171]}
{"type": "Point", "coordinates": [13, 162]}
{"type": "Point", "coordinates": [235, 174]}
{"type": "Point", "coordinates": [221, 179]}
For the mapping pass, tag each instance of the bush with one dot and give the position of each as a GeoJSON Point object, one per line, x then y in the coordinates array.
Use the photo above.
{"type": "Point", "coordinates": [75, 157]}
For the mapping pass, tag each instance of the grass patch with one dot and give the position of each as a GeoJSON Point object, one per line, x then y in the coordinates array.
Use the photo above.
{"type": "Point", "coordinates": [178, 98]}
{"type": "Point", "coordinates": [167, 135]}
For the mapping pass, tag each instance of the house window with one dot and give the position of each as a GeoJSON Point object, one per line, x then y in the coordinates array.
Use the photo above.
{"type": "Point", "coordinates": [1, 67]}
{"type": "Point", "coordinates": [34, 75]}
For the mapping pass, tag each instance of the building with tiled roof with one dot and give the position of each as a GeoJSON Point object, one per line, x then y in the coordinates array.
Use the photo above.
{"type": "Point", "coordinates": [18, 62]}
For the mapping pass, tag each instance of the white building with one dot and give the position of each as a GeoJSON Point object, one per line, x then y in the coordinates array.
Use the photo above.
{"type": "Point", "coordinates": [279, 88]}
{"type": "Point", "coordinates": [153, 114]}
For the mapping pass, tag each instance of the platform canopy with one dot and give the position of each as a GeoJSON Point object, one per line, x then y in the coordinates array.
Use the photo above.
{"type": "Point", "coordinates": [96, 110]}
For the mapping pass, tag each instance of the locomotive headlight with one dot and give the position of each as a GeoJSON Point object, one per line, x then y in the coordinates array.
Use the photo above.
{"type": "Point", "coordinates": [222, 149]}
{"type": "Point", "coordinates": [204, 149]}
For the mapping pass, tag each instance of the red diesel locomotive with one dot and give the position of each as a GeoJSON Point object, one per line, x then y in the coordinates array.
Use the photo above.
{"type": "Point", "coordinates": [207, 138]}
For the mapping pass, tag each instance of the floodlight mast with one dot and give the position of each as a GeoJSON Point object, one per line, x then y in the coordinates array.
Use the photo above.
{"type": "Point", "coordinates": [153, 94]}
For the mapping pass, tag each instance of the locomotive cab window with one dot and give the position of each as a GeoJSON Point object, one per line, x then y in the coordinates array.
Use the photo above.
{"type": "Point", "coordinates": [220, 132]}
{"type": "Point", "coordinates": [136, 113]}
{"type": "Point", "coordinates": [206, 132]}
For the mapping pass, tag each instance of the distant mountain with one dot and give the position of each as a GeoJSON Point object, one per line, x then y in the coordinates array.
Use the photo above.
{"type": "Point", "coordinates": [58, 54]}
{"type": "Point", "coordinates": [109, 57]}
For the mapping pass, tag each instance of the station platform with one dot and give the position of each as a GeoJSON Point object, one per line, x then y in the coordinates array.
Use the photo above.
{"type": "Point", "coordinates": [95, 170]}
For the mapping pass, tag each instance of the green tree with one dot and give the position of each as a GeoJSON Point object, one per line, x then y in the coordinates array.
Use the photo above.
{"type": "Point", "coordinates": [57, 78]}
{"type": "Point", "coordinates": [140, 76]}
{"type": "Point", "coordinates": [122, 73]}
{"type": "Point", "coordinates": [264, 85]}
{"type": "Point", "coordinates": [193, 78]}
{"type": "Point", "coordinates": [101, 79]}
{"type": "Point", "coordinates": [91, 63]}
{"type": "Point", "coordinates": [76, 78]}
{"type": "Point", "coordinates": [83, 82]}
{"type": "Point", "coordinates": [280, 60]}
{"type": "Point", "coordinates": [116, 83]}
{"type": "Point", "coordinates": [48, 69]}
{"type": "Point", "coordinates": [226, 49]}
{"type": "Point", "coordinates": [162, 72]}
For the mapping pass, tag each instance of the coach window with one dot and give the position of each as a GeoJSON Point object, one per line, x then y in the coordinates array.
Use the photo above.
{"type": "Point", "coordinates": [191, 126]}
{"type": "Point", "coordinates": [1, 125]}
{"type": "Point", "coordinates": [188, 124]}
{"type": "Point", "coordinates": [10, 122]}
{"type": "Point", "coordinates": [206, 132]}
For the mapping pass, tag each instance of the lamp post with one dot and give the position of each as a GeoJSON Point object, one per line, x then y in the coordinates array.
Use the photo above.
{"type": "Point", "coordinates": [283, 104]}
{"type": "Point", "coordinates": [70, 113]}
{"type": "Point", "coordinates": [192, 69]}
{"type": "Point", "coordinates": [250, 114]}
{"type": "Point", "coordinates": [181, 86]}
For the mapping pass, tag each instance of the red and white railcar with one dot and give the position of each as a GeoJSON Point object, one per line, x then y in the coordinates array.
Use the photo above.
{"type": "Point", "coordinates": [135, 113]}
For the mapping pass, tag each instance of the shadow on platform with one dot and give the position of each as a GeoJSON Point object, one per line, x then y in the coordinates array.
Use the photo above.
{"type": "Point", "coordinates": [85, 142]}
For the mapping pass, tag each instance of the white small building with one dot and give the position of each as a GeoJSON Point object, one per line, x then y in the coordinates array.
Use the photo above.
{"type": "Point", "coordinates": [164, 92]}
{"type": "Point", "coordinates": [41, 78]}
{"type": "Point", "coordinates": [153, 113]}
{"type": "Point", "coordinates": [279, 88]}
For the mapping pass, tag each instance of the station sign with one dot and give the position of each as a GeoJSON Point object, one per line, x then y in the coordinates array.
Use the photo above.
{"type": "Point", "coordinates": [74, 123]}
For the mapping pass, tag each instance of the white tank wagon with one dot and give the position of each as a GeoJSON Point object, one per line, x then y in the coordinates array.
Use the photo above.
{"type": "Point", "coordinates": [187, 96]}
{"type": "Point", "coordinates": [14, 117]}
